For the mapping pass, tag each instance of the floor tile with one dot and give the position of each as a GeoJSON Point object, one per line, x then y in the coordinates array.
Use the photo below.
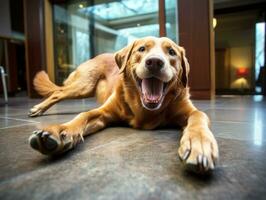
{"type": "Point", "coordinates": [124, 163]}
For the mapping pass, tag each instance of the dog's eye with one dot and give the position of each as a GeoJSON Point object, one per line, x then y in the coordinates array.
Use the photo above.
{"type": "Point", "coordinates": [172, 52]}
{"type": "Point", "coordinates": [141, 49]}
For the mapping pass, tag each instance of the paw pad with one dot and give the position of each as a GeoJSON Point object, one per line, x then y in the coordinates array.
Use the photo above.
{"type": "Point", "coordinates": [44, 142]}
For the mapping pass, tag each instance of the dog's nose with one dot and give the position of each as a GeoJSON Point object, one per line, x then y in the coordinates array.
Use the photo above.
{"type": "Point", "coordinates": [154, 63]}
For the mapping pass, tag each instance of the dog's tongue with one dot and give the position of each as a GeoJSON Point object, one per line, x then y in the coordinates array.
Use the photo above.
{"type": "Point", "coordinates": [152, 89]}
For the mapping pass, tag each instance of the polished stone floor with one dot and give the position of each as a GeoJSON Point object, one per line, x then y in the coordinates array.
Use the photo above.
{"type": "Point", "coordinates": [123, 163]}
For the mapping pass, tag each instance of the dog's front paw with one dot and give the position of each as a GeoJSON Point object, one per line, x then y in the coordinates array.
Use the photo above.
{"type": "Point", "coordinates": [198, 150]}
{"type": "Point", "coordinates": [52, 141]}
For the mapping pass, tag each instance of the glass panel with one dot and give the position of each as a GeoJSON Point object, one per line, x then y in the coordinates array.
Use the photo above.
{"type": "Point", "coordinates": [71, 36]}
{"type": "Point", "coordinates": [171, 19]}
{"type": "Point", "coordinates": [260, 36]}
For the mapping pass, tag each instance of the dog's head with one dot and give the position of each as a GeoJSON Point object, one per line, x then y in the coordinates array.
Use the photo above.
{"type": "Point", "coordinates": [155, 65]}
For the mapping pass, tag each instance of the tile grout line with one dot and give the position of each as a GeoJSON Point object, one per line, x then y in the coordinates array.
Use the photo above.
{"type": "Point", "coordinates": [232, 122]}
{"type": "Point", "coordinates": [23, 120]}
{"type": "Point", "coordinates": [18, 125]}
{"type": "Point", "coordinates": [237, 139]}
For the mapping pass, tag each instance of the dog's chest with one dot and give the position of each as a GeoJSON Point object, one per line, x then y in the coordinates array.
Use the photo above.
{"type": "Point", "coordinates": [147, 121]}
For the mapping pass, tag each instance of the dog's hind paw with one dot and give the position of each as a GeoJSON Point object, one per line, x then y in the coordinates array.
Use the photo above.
{"type": "Point", "coordinates": [35, 111]}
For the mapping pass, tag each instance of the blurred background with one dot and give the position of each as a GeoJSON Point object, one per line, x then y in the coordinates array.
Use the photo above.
{"type": "Point", "coordinates": [224, 39]}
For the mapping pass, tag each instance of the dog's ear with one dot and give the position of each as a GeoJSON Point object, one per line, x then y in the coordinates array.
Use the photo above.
{"type": "Point", "coordinates": [122, 56]}
{"type": "Point", "coordinates": [185, 67]}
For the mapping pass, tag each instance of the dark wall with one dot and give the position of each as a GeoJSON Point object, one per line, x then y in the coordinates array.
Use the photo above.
{"type": "Point", "coordinates": [17, 15]}
{"type": "Point", "coordinates": [195, 37]}
{"type": "Point", "coordinates": [35, 40]}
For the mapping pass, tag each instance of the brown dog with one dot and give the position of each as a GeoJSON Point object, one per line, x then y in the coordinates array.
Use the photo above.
{"type": "Point", "coordinates": [143, 85]}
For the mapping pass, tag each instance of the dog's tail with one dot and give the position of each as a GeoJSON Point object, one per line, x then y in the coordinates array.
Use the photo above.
{"type": "Point", "coordinates": [43, 85]}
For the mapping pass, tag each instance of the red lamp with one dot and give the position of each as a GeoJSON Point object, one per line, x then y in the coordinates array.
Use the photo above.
{"type": "Point", "coordinates": [242, 71]}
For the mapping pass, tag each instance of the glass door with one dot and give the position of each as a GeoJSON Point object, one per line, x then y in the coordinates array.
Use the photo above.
{"type": "Point", "coordinates": [83, 29]}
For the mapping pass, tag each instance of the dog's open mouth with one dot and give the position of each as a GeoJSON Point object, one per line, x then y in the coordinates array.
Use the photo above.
{"type": "Point", "coordinates": [152, 92]}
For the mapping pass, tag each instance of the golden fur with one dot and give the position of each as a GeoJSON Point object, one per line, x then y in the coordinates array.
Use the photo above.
{"type": "Point", "coordinates": [113, 78]}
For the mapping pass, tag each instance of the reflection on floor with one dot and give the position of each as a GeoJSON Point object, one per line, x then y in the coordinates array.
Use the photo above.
{"type": "Point", "coordinates": [123, 163]}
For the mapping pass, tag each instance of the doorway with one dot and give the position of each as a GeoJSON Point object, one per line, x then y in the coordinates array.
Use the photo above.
{"type": "Point", "coordinates": [239, 51]}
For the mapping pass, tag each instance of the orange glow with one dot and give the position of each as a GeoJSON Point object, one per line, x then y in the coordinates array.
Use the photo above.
{"type": "Point", "coordinates": [242, 71]}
